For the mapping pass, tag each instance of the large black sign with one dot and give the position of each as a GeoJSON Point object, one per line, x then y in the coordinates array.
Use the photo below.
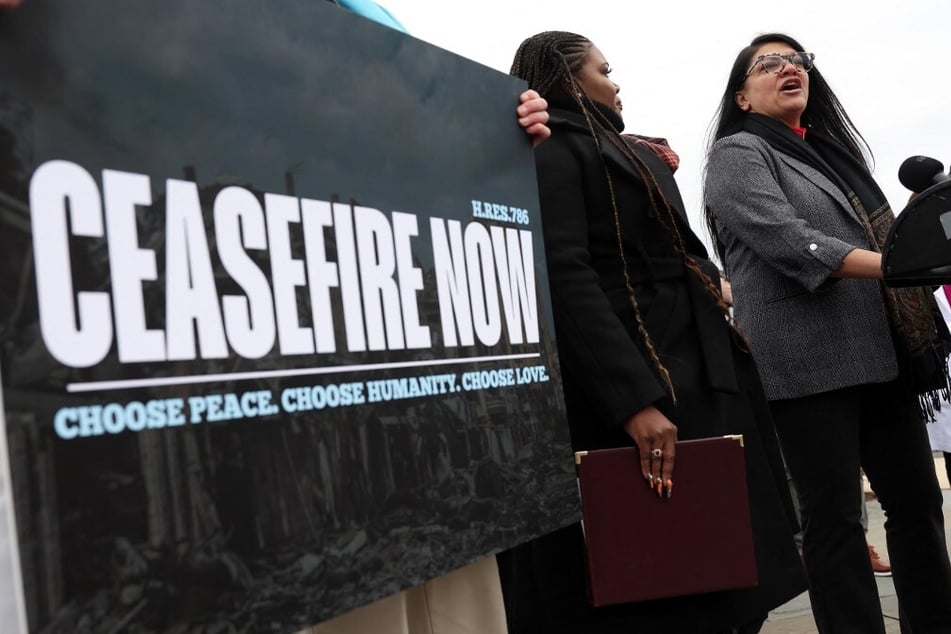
{"type": "Point", "coordinates": [276, 337]}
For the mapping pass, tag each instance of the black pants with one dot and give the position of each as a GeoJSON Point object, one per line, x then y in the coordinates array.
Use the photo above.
{"type": "Point", "coordinates": [826, 438]}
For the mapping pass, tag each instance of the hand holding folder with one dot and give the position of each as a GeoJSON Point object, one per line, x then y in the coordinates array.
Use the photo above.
{"type": "Point", "coordinates": [640, 546]}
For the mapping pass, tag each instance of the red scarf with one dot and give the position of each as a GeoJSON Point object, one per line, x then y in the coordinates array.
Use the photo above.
{"type": "Point", "coordinates": [658, 146]}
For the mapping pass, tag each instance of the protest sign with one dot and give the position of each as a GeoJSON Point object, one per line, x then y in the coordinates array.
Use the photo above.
{"type": "Point", "coordinates": [276, 334]}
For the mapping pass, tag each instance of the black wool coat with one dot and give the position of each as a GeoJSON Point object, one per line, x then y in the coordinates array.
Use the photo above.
{"type": "Point", "coordinates": [608, 376]}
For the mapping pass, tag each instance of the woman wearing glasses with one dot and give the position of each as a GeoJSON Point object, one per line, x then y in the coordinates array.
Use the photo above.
{"type": "Point", "coordinates": [850, 366]}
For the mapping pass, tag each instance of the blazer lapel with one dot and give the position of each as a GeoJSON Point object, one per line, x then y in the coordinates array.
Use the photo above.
{"type": "Point", "coordinates": [823, 183]}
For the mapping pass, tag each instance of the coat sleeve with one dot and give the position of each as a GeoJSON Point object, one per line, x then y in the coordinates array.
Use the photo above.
{"type": "Point", "coordinates": [745, 198]}
{"type": "Point", "coordinates": [593, 343]}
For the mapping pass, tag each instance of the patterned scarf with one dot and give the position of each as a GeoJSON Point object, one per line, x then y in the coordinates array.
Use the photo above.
{"type": "Point", "coordinates": [922, 339]}
{"type": "Point", "coordinates": [658, 146]}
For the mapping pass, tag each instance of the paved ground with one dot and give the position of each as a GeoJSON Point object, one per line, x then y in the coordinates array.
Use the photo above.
{"type": "Point", "coordinates": [795, 617]}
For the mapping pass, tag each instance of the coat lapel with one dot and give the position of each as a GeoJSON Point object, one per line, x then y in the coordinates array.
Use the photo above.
{"type": "Point", "coordinates": [662, 176]}
{"type": "Point", "coordinates": [655, 164]}
{"type": "Point", "coordinates": [819, 180]}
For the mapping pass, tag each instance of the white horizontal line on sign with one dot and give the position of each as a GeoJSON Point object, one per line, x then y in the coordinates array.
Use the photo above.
{"type": "Point", "coordinates": [126, 384]}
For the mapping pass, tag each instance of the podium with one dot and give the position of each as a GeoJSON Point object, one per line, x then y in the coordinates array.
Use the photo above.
{"type": "Point", "coordinates": [918, 247]}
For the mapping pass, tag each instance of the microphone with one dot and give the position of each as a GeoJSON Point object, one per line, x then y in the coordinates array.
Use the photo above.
{"type": "Point", "coordinates": [918, 173]}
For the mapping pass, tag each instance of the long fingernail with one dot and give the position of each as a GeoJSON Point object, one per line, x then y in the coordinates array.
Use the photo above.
{"type": "Point", "coordinates": [660, 488]}
{"type": "Point", "coordinates": [650, 481]}
{"type": "Point", "coordinates": [670, 488]}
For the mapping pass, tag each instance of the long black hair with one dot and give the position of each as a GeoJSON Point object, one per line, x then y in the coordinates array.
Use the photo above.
{"type": "Point", "coordinates": [824, 113]}
{"type": "Point", "coordinates": [550, 62]}
{"type": "Point", "coordinates": [823, 110]}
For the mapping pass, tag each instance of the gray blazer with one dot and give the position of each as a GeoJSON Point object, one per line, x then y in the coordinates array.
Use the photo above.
{"type": "Point", "coordinates": [785, 228]}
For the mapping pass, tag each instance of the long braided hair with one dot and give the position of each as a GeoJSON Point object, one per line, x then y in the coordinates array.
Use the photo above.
{"type": "Point", "coordinates": [550, 62]}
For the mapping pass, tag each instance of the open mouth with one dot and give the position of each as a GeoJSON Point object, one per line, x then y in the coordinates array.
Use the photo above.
{"type": "Point", "coordinates": [791, 85]}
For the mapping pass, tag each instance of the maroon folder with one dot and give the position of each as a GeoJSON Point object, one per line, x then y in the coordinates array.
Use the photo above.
{"type": "Point", "coordinates": [639, 546]}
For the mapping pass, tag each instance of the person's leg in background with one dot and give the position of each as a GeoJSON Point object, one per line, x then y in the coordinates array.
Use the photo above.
{"type": "Point", "coordinates": [795, 501]}
{"type": "Point", "coordinates": [880, 565]}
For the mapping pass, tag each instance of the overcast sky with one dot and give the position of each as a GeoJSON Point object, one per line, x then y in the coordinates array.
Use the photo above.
{"type": "Point", "coordinates": [887, 62]}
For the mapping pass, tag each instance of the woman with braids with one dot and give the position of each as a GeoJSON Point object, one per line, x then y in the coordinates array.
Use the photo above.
{"type": "Point", "coordinates": [850, 366]}
{"type": "Point", "coordinates": [647, 352]}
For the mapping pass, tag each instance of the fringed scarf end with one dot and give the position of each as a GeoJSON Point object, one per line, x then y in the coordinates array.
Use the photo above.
{"type": "Point", "coordinates": [929, 401]}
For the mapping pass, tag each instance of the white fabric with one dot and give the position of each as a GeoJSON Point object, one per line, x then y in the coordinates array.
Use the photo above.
{"type": "Point", "coordinates": [465, 601]}
{"type": "Point", "coordinates": [11, 616]}
{"type": "Point", "coordinates": [12, 608]}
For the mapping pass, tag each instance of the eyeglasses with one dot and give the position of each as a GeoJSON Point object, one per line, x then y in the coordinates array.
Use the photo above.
{"type": "Point", "coordinates": [775, 63]}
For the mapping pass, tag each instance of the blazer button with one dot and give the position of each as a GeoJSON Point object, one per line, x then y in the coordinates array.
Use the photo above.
{"type": "Point", "coordinates": [813, 246]}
